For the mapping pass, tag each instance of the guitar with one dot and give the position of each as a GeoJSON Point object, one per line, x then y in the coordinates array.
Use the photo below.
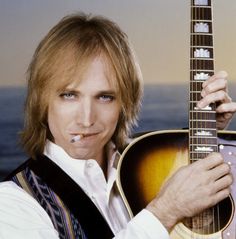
{"type": "Point", "coordinates": [153, 157]}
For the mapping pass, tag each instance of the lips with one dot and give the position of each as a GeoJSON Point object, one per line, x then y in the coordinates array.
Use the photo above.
{"type": "Point", "coordinates": [85, 135]}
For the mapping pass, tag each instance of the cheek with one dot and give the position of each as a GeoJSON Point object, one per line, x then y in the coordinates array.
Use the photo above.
{"type": "Point", "coordinates": [57, 119]}
{"type": "Point", "coordinates": [52, 123]}
{"type": "Point", "coordinates": [110, 118]}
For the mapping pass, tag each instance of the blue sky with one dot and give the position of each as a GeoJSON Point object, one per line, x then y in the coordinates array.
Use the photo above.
{"type": "Point", "coordinates": [158, 30]}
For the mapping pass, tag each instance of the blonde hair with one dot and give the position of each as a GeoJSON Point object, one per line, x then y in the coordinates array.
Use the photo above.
{"type": "Point", "coordinates": [72, 42]}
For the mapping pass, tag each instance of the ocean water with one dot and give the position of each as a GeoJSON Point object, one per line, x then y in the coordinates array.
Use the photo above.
{"type": "Point", "coordinates": [164, 107]}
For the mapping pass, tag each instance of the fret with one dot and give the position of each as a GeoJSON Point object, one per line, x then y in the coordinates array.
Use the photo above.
{"type": "Point", "coordinates": [201, 21]}
{"type": "Point", "coordinates": [200, 136]}
{"type": "Point", "coordinates": [198, 70]}
{"type": "Point", "coordinates": [204, 47]}
{"type": "Point", "coordinates": [201, 111]}
{"type": "Point", "coordinates": [201, 34]}
{"type": "Point", "coordinates": [202, 7]}
{"type": "Point", "coordinates": [204, 145]}
{"type": "Point", "coordinates": [201, 58]}
{"type": "Point", "coordinates": [196, 91]}
{"type": "Point", "coordinates": [196, 139]}
{"type": "Point", "coordinates": [202, 120]}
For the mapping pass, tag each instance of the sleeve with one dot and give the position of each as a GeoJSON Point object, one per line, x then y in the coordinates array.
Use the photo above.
{"type": "Point", "coordinates": [21, 216]}
{"type": "Point", "coordinates": [143, 226]}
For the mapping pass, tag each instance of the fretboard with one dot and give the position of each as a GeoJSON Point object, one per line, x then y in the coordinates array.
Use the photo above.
{"type": "Point", "coordinates": [202, 122]}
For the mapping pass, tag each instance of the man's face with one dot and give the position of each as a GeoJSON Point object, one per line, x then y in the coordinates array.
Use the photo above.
{"type": "Point", "coordinates": [89, 108]}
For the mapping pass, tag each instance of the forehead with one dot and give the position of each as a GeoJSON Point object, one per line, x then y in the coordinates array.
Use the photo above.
{"type": "Point", "coordinates": [71, 71]}
{"type": "Point", "coordinates": [98, 75]}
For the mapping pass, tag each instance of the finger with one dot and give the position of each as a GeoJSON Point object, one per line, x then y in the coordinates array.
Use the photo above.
{"type": "Point", "coordinates": [223, 183]}
{"type": "Point", "coordinates": [219, 171]}
{"type": "Point", "coordinates": [229, 107]}
{"type": "Point", "coordinates": [223, 118]}
{"type": "Point", "coordinates": [219, 196]}
{"type": "Point", "coordinates": [218, 75]}
{"type": "Point", "coordinates": [214, 86]}
{"type": "Point", "coordinates": [219, 96]}
{"type": "Point", "coordinates": [211, 161]}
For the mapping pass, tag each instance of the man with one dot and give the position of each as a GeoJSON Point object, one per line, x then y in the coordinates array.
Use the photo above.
{"type": "Point", "coordinates": [84, 93]}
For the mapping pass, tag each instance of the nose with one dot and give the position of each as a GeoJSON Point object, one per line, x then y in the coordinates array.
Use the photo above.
{"type": "Point", "coordinates": [86, 115]}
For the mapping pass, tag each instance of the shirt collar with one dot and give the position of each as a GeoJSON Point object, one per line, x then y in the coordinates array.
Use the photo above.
{"type": "Point", "coordinates": [75, 167]}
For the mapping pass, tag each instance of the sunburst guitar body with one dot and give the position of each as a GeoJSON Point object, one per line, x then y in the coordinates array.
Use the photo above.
{"type": "Point", "coordinates": [152, 158]}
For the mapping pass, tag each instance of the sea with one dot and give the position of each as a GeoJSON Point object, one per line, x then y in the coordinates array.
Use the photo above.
{"type": "Point", "coordinates": [164, 107]}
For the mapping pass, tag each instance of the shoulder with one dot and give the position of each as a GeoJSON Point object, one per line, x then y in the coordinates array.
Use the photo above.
{"type": "Point", "coordinates": [15, 200]}
{"type": "Point", "coordinates": [22, 213]}
{"type": "Point", "coordinates": [11, 193]}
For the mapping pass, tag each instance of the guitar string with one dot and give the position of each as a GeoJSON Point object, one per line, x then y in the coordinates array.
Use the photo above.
{"type": "Point", "coordinates": [199, 66]}
{"type": "Point", "coordinates": [216, 139]}
{"type": "Point", "coordinates": [214, 124]}
{"type": "Point", "coordinates": [192, 100]}
{"type": "Point", "coordinates": [195, 97]}
{"type": "Point", "coordinates": [195, 90]}
{"type": "Point", "coordinates": [211, 67]}
{"type": "Point", "coordinates": [205, 118]}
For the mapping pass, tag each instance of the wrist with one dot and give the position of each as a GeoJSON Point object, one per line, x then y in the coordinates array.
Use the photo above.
{"type": "Point", "coordinates": [164, 213]}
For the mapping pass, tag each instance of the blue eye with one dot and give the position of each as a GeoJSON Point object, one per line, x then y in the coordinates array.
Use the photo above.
{"type": "Point", "coordinates": [107, 98]}
{"type": "Point", "coordinates": [68, 95]}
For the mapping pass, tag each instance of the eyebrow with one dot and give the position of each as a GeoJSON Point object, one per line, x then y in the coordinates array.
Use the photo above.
{"type": "Point", "coordinates": [106, 92]}
{"type": "Point", "coordinates": [102, 92]}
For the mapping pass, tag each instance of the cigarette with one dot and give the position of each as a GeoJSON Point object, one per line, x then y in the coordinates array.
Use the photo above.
{"type": "Point", "coordinates": [76, 138]}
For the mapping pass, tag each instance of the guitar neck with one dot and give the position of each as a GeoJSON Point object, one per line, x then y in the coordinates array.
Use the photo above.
{"type": "Point", "coordinates": [202, 122]}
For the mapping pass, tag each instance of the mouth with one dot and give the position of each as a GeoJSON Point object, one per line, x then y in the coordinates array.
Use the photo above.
{"type": "Point", "coordinates": [80, 136]}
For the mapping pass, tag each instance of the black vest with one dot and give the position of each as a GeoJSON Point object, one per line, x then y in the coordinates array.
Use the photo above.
{"type": "Point", "coordinates": [72, 212]}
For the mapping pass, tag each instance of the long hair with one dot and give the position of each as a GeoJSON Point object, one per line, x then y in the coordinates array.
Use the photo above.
{"type": "Point", "coordinates": [69, 44]}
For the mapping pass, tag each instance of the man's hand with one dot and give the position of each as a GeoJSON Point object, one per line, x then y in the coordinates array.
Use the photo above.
{"type": "Point", "coordinates": [192, 189]}
{"type": "Point", "coordinates": [215, 90]}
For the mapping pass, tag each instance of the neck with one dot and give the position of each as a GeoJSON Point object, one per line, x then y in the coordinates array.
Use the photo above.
{"type": "Point", "coordinates": [202, 122]}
